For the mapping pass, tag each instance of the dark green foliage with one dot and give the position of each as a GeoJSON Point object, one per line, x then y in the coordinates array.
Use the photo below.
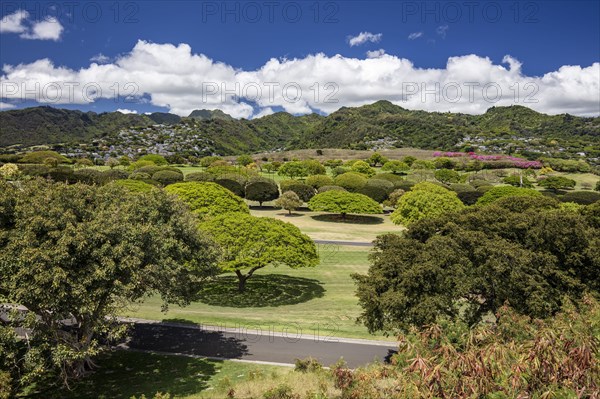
{"type": "Point", "coordinates": [396, 167]}
{"type": "Point", "coordinates": [205, 162]}
{"type": "Point", "coordinates": [166, 177]}
{"type": "Point", "coordinates": [447, 176]}
{"type": "Point", "coordinates": [377, 159]}
{"type": "Point", "coordinates": [556, 183]}
{"type": "Point", "coordinates": [35, 170]}
{"type": "Point", "coordinates": [518, 181]}
{"type": "Point", "coordinates": [464, 266]}
{"type": "Point", "coordinates": [44, 125]}
{"type": "Point", "coordinates": [329, 188]}
{"type": "Point", "coordinates": [304, 191]}
{"type": "Point", "coordinates": [342, 202]}
{"type": "Point", "coordinates": [89, 176]}
{"type": "Point", "coordinates": [314, 167]}
{"type": "Point", "coordinates": [318, 181]}
{"type": "Point", "coordinates": [377, 194]}
{"type": "Point", "coordinates": [62, 174]}
{"type": "Point", "coordinates": [351, 181]}
{"type": "Point", "coordinates": [469, 197]}
{"type": "Point", "coordinates": [479, 182]}
{"type": "Point", "coordinates": [150, 169]}
{"type": "Point", "coordinates": [459, 187]}
{"type": "Point", "coordinates": [244, 160]}
{"type": "Point", "coordinates": [498, 192]}
{"type": "Point", "coordinates": [262, 191]}
{"type": "Point", "coordinates": [338, 170]}
{"type": "Point", "coordinates": [580, 197]}
{"type": "Point", "coordinates": [363, 168]}
{"type": "Point", "coordinates": [234, 183]}
{"type": "Point", "coordinates": [114, 174]}
{"type": "Point", "coordinates": [199, 176]}
{"type": "Point", "coordinates": [444, 163]}
{"type": "Point", "coordinates": [42, 157]}
{"type": "Point", "coordinates": [140, 176]}
{"type": "Point", "coordinates": [524, 203]}
{"type": "Point", "coordinates": [86, 253]}
{"type": "Point", "coordinates": [392, 178]}
{"type": "Point", "coordinates": [293, 170]}
{"type": "Point", "coordinates": [344, 128]}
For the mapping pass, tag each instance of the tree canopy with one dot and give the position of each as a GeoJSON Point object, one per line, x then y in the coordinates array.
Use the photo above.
{"type": "Point", "coordinates": [498, 192]}
{"type": "Point", "coordinates": [262, 191]}
{"type": "Point", "coordinates": [344, 203]}
{"type": "Point", "coordinates": [84, 253]}
{"type": "Point", "coordinates": [556, 183]}
{"type": "Point", "coordinates": [250, 243]}
{"type": "Point", "coordinates": [469, 264]}
{"type": "Point", "coordinates": [208, 199]}
{"type": "Point", "coordinates": [425, 200]}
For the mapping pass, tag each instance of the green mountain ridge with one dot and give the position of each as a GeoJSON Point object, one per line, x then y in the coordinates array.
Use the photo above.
{"type": "Point", "coordinates": [378, 125]}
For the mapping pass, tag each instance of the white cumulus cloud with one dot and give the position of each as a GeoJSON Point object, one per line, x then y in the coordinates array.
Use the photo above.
{"type": "Point", "coordinates": [126, 111]}
{"type": "Point", "coordinates": [375, 53]}
{"type": "Point", "coordinates": [18, 22]}
{"type": "Point", "coordinates": [14, 23]}
{"type": "Point", "coordinates": [48, 29]}
{"type": "Point", "coordinates": [100, 59]}
{"type": "Point", "coordinates": [364, 37]}
{"type": "Point", "coordinates": [174, 77]}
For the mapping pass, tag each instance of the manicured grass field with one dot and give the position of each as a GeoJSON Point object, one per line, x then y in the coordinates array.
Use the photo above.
{"type": "Point", "coordinates": [125, 374]}
{"type": "Point", "coordinates": [325, 226]}
{"type": "Point", "coordinates": [301, 302]}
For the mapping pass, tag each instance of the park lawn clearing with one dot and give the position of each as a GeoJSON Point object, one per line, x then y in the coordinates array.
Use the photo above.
{"type": "Point", "coordinates": [327, 226]}
{"type": "Point", "coordinates": [126, 374]}
{"type": "Point", "coordinates": [305, 302]}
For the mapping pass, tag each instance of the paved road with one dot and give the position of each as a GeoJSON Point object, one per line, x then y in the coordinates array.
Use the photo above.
{"type": "Point", "coordinates": [253, 345]}
{"type": "Point", "coordinates": [351, 243]}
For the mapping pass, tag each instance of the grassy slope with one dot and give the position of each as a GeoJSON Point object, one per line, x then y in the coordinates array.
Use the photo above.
{"type": "Point", "coordinates": [311, 301]}
{"type": "Point", "coordinates": [125, 374]}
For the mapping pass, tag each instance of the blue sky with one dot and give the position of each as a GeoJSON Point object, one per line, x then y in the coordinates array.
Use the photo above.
{"type": "Point", "coordinates": [541, 36]}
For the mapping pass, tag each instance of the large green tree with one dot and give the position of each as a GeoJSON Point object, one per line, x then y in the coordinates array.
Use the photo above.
{"type": "Point", "coordinates": [250, 243]}
{"type": "Point", "coordinates": [262, 191]}
{"type": "Point", "coordinates": [425, 200]}
{"type": "Point", "coordinates": [344, 203]}
{"type": "Point", "coordinates": [556, 183]}
{"type": "Point", "coordinates": [498, 192]}
{"type": "Point", "coordinates": [468, 265]}
{"type": "Point", "coordinates": [74, 256]}
{"type": "Point", "coordinates": [208, 199]}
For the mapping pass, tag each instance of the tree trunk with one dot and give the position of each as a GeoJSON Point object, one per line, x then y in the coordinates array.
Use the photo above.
{"type": "Point", "coordinates": [241, 281]}
{"type": "Point", "coordinates": [289, 211]}
{"type": "Point", "coordinates": [243, 278]}
{"type": "Point", "coordinates": [260, 204]}
{"type": "Point", "coordinates": [343, 216]}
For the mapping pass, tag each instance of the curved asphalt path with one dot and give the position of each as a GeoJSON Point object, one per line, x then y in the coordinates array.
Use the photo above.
{"type": "Point", "coordinates": [252, 345]}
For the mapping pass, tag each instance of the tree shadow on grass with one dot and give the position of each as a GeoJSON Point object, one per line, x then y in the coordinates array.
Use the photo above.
{"type": "Point", "coordinates": [261, 291]}
{"type": "Point", "coordinates": [354, 219]}
{"type": "Point", "coordinates": [123, 374]}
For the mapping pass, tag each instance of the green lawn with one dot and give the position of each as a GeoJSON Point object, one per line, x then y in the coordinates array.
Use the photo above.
{"type": "Point", "coordinates": [310, 301]}
{"type": "Point", "coordinates": [126, 374]}
{"type": "Point", "coordinates": [325, 226]}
